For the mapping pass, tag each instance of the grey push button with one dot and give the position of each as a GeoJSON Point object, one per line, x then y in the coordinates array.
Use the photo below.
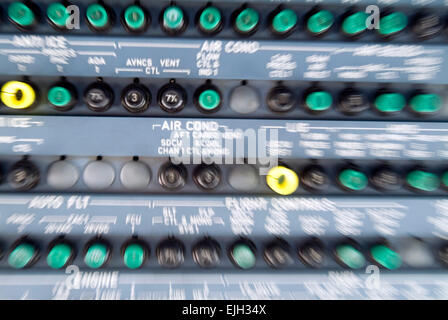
{"type": "Point", "coordinates": [244, 178]}
{"type": "Point", "coordinates": [62, 175]}
{"type": "Point", "coordinates": [416, 254]}
{"type": "Point", "coordinates": [244, 99]}
{"type": "Point", "coordinates": [135, 175]}
{"type": "Point", "coordinates": [98, 175]}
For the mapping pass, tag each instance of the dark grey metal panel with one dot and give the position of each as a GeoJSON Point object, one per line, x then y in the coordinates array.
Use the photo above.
{"type": "Point", "coordinates": [194, 215]}
{"type": "Point", "coordinates": [158, 137]}
{"type": "Point", "coordinates": [161, 215]}
{"type": "Point", "coordinates": [83, 285]}
{"type": "Point", "coordinates": [223, 59]}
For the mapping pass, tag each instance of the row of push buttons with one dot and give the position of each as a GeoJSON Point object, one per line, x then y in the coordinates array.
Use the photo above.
{"type": "Point", "coordinates": [243, 99]}
{"type": "Point", "coordinates": [210, 20]}
{"type": "Point", "coordinates": [207, 253]}
{"type": "Point", "coordinates": [135, 175]}
{"type": "Point", "coordinates": [283, 180]}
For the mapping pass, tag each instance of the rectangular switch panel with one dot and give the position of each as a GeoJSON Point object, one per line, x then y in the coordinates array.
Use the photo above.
{"type": "Point", "coordinates": [229, 150]}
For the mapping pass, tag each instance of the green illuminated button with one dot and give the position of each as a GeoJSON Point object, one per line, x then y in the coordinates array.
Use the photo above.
{"type": "Point", "coordinates": [445, 179]}
{"type": "Point", "coordinates": [21, 14]}
{"type": "Point", "coordinates": [320, 22]}
{"type": "Point", "coordinates": [22, 255]}
{"type": "Point", "coordinates": [243, 256]}
{"type": "Point", "coordinates": [385, 257]}
{"type": "Point", "coordinates": [59, 255]}
{"type": "Point", "coordinates": [318, 101]}
{"type": "Point", "coordinates": [209, 99]}
{"type": "Point", "coordinates": [134, 256]}
{"type": "Point", "coordinates": [59, 96]}
{"type": "Point", "coordinates": [355, 23]}
{"type": "Point", "coordinates": [422, 180]}
{"type": "Point", "coordinates": [353, 179]}
{"type": "Point", "coordinates": [390, 102]}
{"type": "Point", "coordinates": [426, 103]}
{"type": "Point", "coordinates": [284, 21]}
{"type": "Point", "coordinates": [210, 19]}
{"type": "Point", "coordinates": [96, 255]}
{"type": "Point", "coordinates": [350, 256]}
{"type": "Point", "coordinates": [135, 17]}
{"type": "Point", "coordinates": [247, 20]}
{"type": "Point", "coordinates": [392, 23]}
{"type": "Point", "coordinates": [173, 18]}
{"type": "Point", "coordinates": [57, 14]}
{"type": "Point", "coordinates": [97, 16]}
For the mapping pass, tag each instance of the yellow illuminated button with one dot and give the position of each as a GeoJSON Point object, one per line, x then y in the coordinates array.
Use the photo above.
{"type": "Point", "coordinates": [282, 180]}
{"type": "Point", "coordinates": [17, 95]}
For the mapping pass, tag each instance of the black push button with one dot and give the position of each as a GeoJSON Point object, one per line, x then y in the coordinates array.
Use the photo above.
{"type": "Point", "coordinates": [172, 97]}
{"type": "Point", "coordinates": [281, 99]}
{"type": "Point", "coordinates": [385, 178]}
{"type": "Point", "coordinates": [277, 254]}
{"type": "Point", "coordinates": [172, 177]}
{"type": "Point", "coordinates": [135, 98]}
{"type": "Point", "coordinates": [314, 178]}
{"type": "Point", "coordinates": [170, 253]}
{"type": "Point", "coordinates": [24, 175]}
{"type": "Point", "coordinates": [352, 102]}
{"type": "Point", "coordinates": [99, 96]}
{"type": "Point", "coordinates": [207, 253]}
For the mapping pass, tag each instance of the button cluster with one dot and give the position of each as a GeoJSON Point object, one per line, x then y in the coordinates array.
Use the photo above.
{"type": "Point", "coordinates": [284, 179]}
{"type": "Point", "coordinates": [243, 253]}
{"type": "Point", "coordinates": [351, 101]}
{"type": "Point", "coordinates": [136, 98]}
{"type": "Point", "coordinates": [100, 175]}
{"type": "Point", "coordinates": [99, 96]}
{"type": "Point", "coordinates": [245, 20]}
{"type": "Point", "coordinates": [352, 178]}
